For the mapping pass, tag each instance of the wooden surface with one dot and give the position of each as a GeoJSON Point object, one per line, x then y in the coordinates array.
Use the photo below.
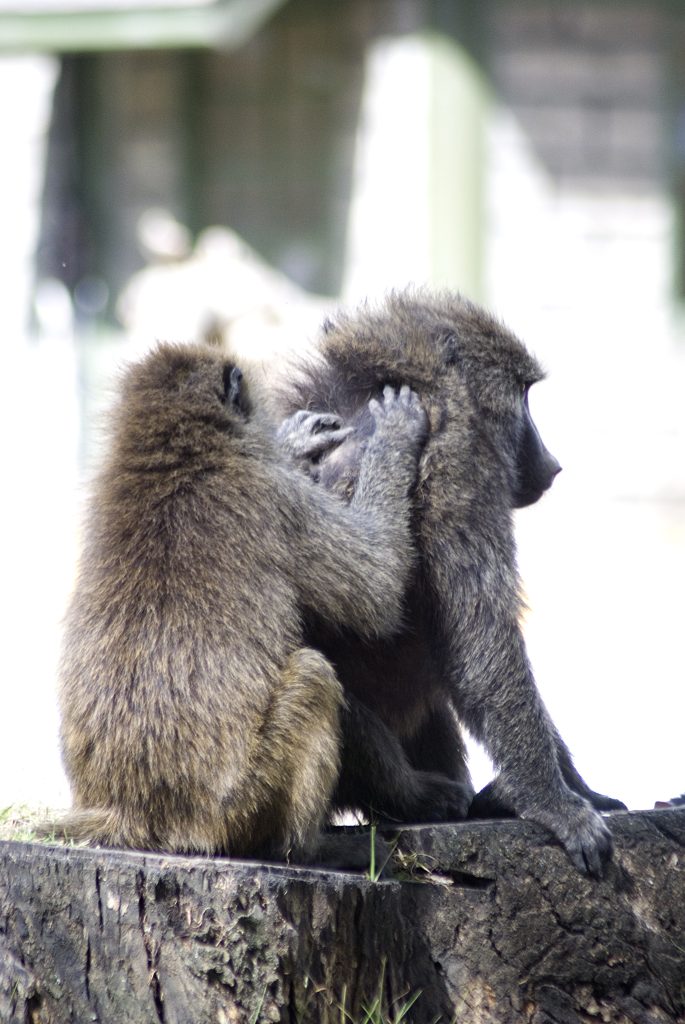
{"type": "Point", "coordinates": [488, 923]}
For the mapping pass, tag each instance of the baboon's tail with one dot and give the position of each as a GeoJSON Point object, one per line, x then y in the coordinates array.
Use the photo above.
{"type": "Point", "coordinates": [95, 826]}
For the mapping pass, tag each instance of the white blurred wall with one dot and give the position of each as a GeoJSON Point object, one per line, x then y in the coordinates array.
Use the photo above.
{"type": "Point", "coordinates": [39, 430]}
{"type": "Point", "coordinates": [585, 279]}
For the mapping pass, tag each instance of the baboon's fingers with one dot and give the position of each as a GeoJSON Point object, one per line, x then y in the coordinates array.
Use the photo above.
{"type": "Point", "coordinates": [298, 417]}
{"type": "Point", "coordinates": [591, 854]}
{"type": "Point", "coordinates": [405, 399]}
{"type": "Point", "coordinates": [380, 407]}
{"type": "Point", "coordinates": [322, 442]}
{"type": "Point", "coordinates": [319, 421]}
{"type": "Point", "coordinates": [307, 434]}
{"type": "Point", "coordinates": [588, 842]}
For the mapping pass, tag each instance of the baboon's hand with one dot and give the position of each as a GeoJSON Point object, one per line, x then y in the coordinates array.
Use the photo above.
{"type": "Point", "coordinates": [308, 435]}
{"type": "Point", "coordinates": [590, 845]}
{"type": "Point", "coordinates": [582, 833]}
{"type": "Point", "coordinates": [400, 414]}
{"type": "Point", "coordinates": [439, 798]}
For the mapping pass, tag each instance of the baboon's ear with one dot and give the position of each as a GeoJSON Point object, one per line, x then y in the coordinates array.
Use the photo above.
{"type": "Point", "coordinates": [233, 385]}
{"type": "Point", "coordinates": [450, 348]}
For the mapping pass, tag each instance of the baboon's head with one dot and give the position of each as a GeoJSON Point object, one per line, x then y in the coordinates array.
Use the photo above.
{"type": "Point", "coordinates": [448, 349]}
{"type": "Point", "coordinates": [499, 372]}
{"type": "Point", "coordinates": [178, 395]}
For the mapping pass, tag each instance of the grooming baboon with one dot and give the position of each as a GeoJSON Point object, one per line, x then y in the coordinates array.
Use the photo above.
{"type": "Point", "coordinates": [461, 652]}
{"type": "Point", "coordinates": [193, 717]}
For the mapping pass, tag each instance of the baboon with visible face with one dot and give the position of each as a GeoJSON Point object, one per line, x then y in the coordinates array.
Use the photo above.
{"type": "Point", "coordinates": [193, 716]}
{"type": "Point", "coordinates": [461, 655]}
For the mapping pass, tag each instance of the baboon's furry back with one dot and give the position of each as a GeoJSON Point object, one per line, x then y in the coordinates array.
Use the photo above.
{"type": "Point", "coordinates": [193, 718]}
{"type": "Point", "coordinates": [155, 603]}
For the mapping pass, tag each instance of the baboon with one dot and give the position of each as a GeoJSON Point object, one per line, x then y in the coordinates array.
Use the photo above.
{"type": "Point", "coordinates": [194, 718]}
{"type": "Point", "coordinates": [461, 655]}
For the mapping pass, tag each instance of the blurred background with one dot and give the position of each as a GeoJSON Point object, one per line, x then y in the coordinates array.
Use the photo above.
{"type": "Point", "coordinates": [177, 168]}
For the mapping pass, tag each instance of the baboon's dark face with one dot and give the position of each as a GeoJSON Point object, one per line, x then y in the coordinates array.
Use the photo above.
{"type": "Point", "coordinates": [498, 378]}
{"type": "Point", "coordinates": [536, 467]}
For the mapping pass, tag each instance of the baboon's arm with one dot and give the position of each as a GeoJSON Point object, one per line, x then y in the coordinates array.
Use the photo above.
{"type": "Point", "coordinates": [501, 706]}
{"type": "Point", "coordinates": [356, 559]}
{"type": "Point", "coordinates": [354, 567]}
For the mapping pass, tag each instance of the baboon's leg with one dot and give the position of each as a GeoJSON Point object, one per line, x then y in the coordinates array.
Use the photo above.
{"type": "Point", "coordinates": [438, 746]}
{"type": "Point", "coordinates": [278, 804]}
{"type": "Point", "coordinates": [490, 802]}
{"type": "Point", "coordinates": [297, 759]}
{"type": "Point", "coordinates": [378, 778]}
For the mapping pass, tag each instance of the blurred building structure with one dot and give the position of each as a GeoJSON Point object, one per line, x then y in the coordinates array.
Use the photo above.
{"type": "Point", "coordinates": [262, 122]}
{"type": "Point", "coordinates": [527, 152]}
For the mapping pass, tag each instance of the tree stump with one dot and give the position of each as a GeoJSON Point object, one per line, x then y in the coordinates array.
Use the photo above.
{"type": "Point", "coordinates": [488, 923]}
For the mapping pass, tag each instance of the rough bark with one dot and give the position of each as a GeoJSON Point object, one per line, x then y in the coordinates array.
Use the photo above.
{"type": "Point", "coordinates": [493, 925]}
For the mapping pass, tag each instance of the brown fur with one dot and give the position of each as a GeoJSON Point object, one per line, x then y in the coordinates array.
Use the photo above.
{"type": "Point", "coordinates": [461, 652]}
{"type": "Point", "coordinates": [193, 718]}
